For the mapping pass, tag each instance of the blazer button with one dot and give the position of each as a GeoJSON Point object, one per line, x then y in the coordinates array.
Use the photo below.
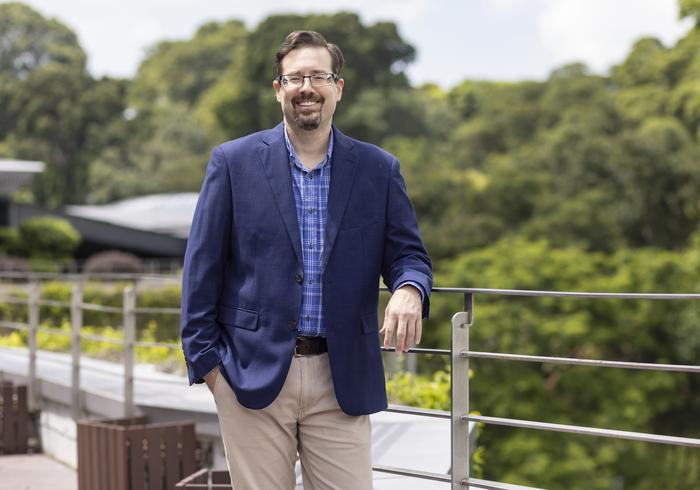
{"type": "Point", "coordinates": [299, 278]}
{"type": "Point", "coordinates": [292, 325]}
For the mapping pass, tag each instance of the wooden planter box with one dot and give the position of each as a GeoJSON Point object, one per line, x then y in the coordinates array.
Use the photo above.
{"type": "Point", "coordinates": [205, 479]}
{"type": "Point", "coordinates": [14, 419]}
{"type": "Point", "coordinates": [129, 454]}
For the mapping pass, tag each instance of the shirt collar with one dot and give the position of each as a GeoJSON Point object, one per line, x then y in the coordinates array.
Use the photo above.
{"type": "Point", "coordinates": [295, 158]}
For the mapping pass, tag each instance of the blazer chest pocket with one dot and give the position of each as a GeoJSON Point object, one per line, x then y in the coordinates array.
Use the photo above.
{"type": "Point", "coordinates": [238, 317]}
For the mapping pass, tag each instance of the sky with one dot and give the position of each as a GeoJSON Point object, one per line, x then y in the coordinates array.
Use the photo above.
{"type": "Point", "coordinates": [455, 40]}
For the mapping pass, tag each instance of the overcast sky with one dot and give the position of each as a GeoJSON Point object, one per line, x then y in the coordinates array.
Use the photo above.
{"type": "Point", "coordinates": [455, 39]}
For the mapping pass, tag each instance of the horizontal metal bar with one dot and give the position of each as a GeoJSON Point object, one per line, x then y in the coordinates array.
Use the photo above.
{"type": "Point", "coordinates": [54, 302]}
{"type": "Point", "coordinates": [473, 482]}
{"type": "Point", "coordinates": [83, 276]}
{"type": "Point", "coordinates": [54, 331]}
{"type": "Point", "coordinates": [425, 475]}
{"type": "Point", "coordinates": [492, 485]}
{"type": "Point", "coordinates": [106, 309]}
{"type": "Point", "coordinates": [168, 345]}
{"type": "Point", "coordinates": [682, 368]}
{"type": "Point", "coordinates": [590, 431]}
{"type": "Point", "coordinates": [13, 300]}
{"type": "Point", "coordinates": [435, 352]}
{"type": "Point", "coordinates": [101, 338]}
{"type": "Point", "coordinates": [14, 325]}
{"type": "Point", "coordinates": [572, 294]}
{"type": "Point", "coordinates": [170, 311]}
{"type": "Point", "coordinates": [424, 412]}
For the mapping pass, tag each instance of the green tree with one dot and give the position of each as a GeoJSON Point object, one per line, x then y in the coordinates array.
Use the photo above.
{"type": "Point", "coordinates": [28, 41]}
{"type": "Point", "coordinates": [180, 71]}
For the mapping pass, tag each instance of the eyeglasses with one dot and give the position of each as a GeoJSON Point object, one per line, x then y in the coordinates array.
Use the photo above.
{"type": "Point", "coordinates": [317, 79]}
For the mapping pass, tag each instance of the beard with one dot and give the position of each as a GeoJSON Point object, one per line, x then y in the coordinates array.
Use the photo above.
{"type": "Point", "coordinates": [305, 119]}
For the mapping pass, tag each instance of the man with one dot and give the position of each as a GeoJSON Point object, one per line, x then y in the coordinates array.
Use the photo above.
{"type": "Point", "coordinates": [292, 230]}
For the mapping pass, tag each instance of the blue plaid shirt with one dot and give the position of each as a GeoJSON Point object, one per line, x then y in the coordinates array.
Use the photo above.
{"type": "Point", "coordinates": [311, 199]}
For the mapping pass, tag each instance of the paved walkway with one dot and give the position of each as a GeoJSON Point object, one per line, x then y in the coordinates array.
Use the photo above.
{"type": "Point", "coordinates": [35, 472]}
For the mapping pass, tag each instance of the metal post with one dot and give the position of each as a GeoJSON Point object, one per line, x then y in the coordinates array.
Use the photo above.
{"type": "Point", "coordinates": [33, 316]}
{"type": "Point", "coordinates": [460, 394]}
{"type": "Point", "coordinates": [129, 339]}
{"type": "Point", "coordinates": [76, 319]}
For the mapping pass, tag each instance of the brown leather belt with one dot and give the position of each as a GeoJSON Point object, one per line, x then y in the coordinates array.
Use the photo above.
{"type": "Point", "coordinates": [307, 346]}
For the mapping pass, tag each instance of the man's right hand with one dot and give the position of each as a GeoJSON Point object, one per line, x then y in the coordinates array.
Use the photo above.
{"type": "Point", "coordinates": [210, 378]}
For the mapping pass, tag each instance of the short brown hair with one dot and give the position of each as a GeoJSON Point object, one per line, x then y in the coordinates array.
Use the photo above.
{"type": "Point", "coordinates": [299, 39]}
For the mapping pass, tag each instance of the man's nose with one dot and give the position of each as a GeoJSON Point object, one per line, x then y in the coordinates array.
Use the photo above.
{"type": "Point", "coordinates": [306, 85]}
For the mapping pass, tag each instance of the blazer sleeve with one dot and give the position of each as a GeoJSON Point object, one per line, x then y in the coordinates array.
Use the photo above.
{"type": "Point", "coordinates": [203, 269]}
{"type": "Point", "coordinates": [405, 258]}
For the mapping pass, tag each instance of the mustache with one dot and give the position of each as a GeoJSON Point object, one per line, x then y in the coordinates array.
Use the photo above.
{"type": "Point", "coordinates": [307, 98]}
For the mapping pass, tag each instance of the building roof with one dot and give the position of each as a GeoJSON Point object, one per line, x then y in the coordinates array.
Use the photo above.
{"type": "Point", "coordinates": [161, 213]}
{"type": "Point", "coordinates": [15, 173]}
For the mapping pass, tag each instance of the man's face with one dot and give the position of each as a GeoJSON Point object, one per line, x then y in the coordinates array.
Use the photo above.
{"type": "Point", "coordinates": [308, 107]}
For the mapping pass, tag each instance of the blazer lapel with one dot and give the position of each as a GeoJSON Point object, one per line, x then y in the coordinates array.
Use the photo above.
{"type": "Point", "coordinates": [275, 161]}
{"type": "Point", "coordinates": [343, 171]}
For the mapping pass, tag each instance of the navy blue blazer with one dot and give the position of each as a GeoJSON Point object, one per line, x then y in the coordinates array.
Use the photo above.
{"type": "Point", "coordinates": [242, 277]}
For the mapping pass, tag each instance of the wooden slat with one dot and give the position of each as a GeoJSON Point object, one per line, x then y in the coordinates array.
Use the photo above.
{"type": "Point", "coordinates": [7, 419]}
{"type": "Point", "coordinates": [155, 464]}
{"type": "Point", "coordinates": [171, 461]}
{"type": "Point", "coordinates": [103, 458]}
{"type": "Point", "coordinates": [111, 469]}
{"type": "Point", "coordinates": [136, 437]}
{"type": "Point", "coordinates": [22, 419]}
{"type": "Point", "coordinates": [80, 435]}
{"type": "Point", "coordinates": [94, 458]}
{"type": "Point", "coordinates": [187, 440]}
{"type": "Point", "coordinates": [120, 458]}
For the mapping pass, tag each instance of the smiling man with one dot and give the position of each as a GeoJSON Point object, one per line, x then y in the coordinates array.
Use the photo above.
{"type": "Point", "coordinates": [293, 228]}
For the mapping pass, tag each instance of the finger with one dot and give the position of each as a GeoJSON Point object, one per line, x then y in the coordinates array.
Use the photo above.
{"type": "Point", "coordinates": [401, 335]}
{"type": "Point", "coordinates": [388, 330]}
{"type": "Point", "coordinates": [410, 333]}
{"type": "Point", "coordinates": [419, 330]}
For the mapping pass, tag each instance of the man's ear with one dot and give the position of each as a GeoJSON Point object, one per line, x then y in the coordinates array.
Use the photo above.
{"type": "Point", "coordinates": [276, 85]}
{"type": "Point", "coordinates": [340, 84]}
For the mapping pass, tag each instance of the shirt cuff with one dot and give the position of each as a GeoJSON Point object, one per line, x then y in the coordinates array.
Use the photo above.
{"type": "Point", "coordinates": [416, 285]}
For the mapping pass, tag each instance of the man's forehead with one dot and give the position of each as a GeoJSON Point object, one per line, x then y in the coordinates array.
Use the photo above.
{"type": "Point", "coordinates": [310, 58]}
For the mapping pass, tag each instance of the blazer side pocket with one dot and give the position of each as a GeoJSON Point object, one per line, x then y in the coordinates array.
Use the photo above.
{"type": "Point", "coordinates": [238, 317]}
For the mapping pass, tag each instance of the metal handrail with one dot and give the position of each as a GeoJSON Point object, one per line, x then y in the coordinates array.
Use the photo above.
{"type": "Point", "coordinates": [102, 308]}
{"type": "Point", "coordinates": [568, 294]}
{"type": "Point", "coordinates": [14, 325]}
{"type": "Point", "coordinates": [584, 430]}
{"type": "Point", "coordinates": [53, 302]}
{"type": "Point", "coordinates": [460, 356]}
{"type": "Point", "coordinates": [646, 366]}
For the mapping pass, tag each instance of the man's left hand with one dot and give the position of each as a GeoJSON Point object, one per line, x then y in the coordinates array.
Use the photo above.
{"type": "Point", "coordinates": [403, 314]}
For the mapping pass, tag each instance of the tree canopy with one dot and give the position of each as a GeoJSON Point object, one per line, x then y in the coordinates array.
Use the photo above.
{"type": "Point", "coordinates": [581, 181]}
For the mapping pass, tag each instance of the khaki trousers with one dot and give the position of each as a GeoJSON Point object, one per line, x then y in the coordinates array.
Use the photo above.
{"type": "Point", "coordinates": [261, 445]}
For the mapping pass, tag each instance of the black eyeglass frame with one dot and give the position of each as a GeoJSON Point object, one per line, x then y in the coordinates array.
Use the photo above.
{"type": "Point", "coordinates": [329, 78]}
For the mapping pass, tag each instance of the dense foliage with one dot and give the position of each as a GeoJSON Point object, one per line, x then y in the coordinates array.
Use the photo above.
{"type": "Point", "coordinates": [577, 182]}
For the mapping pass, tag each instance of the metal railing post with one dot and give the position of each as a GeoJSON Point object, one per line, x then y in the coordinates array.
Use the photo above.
{"type": "Point", "coordinates": [459, 381]}
{"type": "Point", "coordinates": [76, 318]}
{"type": "Point", "coordinates": [33, 317]}
{"type": "Point", "coordinates": [129, 339]}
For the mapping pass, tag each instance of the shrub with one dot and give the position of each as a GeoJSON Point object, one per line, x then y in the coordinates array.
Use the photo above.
{"type": "Point", "coordinates": [113, 261]}
{"type": "Point", "coordinates": [9, 241]}
{"type": "Point", "coordinates": [47, 237]}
